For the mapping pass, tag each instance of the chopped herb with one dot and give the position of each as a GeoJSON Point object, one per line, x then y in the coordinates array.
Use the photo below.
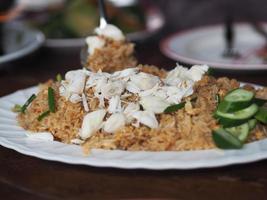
{"type": "Point", "coordinates": [210, 72]}
{"type": "Point", "coordinates": [59, 77]}
{"type": "Point", "coordinates": [178, 106]}
{"type": "Point", "coordinates": [174, 108]}
{"type": "Point", "coordinates": [27, 103]}
{"type": "Point", "coordinates": [43, 115]}
{"type": "Point", "coordinates": [51, 100]}
{"type": "Point", "coordinates": [218, 98]}
{"type": "Point", "coordinates": [17, 108]}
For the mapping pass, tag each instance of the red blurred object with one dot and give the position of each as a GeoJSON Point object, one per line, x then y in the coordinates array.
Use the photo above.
{"type": "Point", "coordinates": [9, 10]}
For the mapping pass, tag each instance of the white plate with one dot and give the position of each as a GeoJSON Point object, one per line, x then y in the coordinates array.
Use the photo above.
{"type": "Point", "coordinates": [205, 45]}
{"type": "Point", "coordinates": [12, 136]}
{"type": "Point", "coordinates": [19, 40]}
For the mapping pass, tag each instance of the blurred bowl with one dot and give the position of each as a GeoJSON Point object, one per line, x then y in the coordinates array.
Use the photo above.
{"type": "Point", "coordinates": [19, 41]}
{"type": "Point", "coordinates": [154, 22]}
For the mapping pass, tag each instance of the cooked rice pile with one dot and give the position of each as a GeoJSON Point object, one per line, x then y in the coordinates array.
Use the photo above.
{"type": "Point", "coordinates": [114, 56]}
{"type": "Point", "coordinates": [189, 128]}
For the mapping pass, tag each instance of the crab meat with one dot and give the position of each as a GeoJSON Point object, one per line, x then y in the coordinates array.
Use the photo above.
{"type": "Point", "coordinates": [85, 104]}
{"type": "Point", "coordinates": [112, 89]}
{"type": "Point", "coordinates": [196, 72]}
{"type": "Point", "coordinates": [77, 141]}
{"type": "Point", "coordinates": [76, 81]}
{"type": "Point", "coordinates": [175, 76]}
{"type": "Point", "coordinates": [110, 31]}
{"type": "Point", "coordinates": [92, 122]}
{"type": "Point", "coordinates": [147, 118]}
{"type": "Point", "coordinates": [114, 122]}
{"type": "Point", "coordinates": [144, 81]}
{"type": "Point", "coordinates": [129, 110]}
{"type": "Point", "coordinates": [114, 104]}
{"type": "Point", "coordinates": [94, 42]}
{"type": "Point", "coordinates": [153, 104]}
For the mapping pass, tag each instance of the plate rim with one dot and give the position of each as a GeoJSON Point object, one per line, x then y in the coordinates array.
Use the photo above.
{"type": "Point", "coordinates": [39, 39]}
{"type": "Point", "coordinates": [165, 49]}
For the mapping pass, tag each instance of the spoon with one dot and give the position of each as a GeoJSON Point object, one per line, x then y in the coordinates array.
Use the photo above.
{"type": "Point", "coordinates": [229, 36]}
{"type": "Point", "coordinates": [103, 22]}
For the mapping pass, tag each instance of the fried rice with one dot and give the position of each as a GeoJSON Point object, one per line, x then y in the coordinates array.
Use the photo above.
{"type": "Point", "coordinates": [189, 128]}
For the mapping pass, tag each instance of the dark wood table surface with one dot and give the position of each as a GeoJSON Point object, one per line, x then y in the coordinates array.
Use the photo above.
{"type": "Point", "coordinates": [25, 177]}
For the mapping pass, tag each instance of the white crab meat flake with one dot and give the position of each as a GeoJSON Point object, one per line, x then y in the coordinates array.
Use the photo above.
{"type": "Point", "coordinates": [75, 98]}
{"type": "Point", "coordinates": [129, 110]}
{"type": "Point", "coordinates": [144, 81]}
{"type": "Point", "coordinates": [175, 76]}
{"type": "Point", "coordinates": [94, 42]}
{"type": "Point", "coordinates": [92, 122]}
{"type": "Point", "coordinates": [76, 81]}
{"type": "Point", "coordinates": [112, 89]}
{"type": "Point", "coordinates": [85, 104]}
{"type": "Point", "coordinates": [131, 87]}
{"type": "Point", "coordinates": [196, 72]}
{"type": "Point", "coordinates": [153, 104]}
{"type": "Point", "coordinates": [147, 118]}
{"type": "Point", "coordinates": [44, 136]}
{"type": "Point", "coordinates": [126, 73]}
{"type": "Point", "coordinates": [114, 104]}
{"type": "Point", "coordinates": [114, 122]}
{"type": "Point", "coordinates": [110, 31]}
{"type": "Point", "coordinates": [77, 141]}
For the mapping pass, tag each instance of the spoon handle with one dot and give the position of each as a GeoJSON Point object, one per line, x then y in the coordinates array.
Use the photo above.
{"type": "Point", "coordinates": [229, 32]}
{"type": "Point", "coordinates": [102, 13]}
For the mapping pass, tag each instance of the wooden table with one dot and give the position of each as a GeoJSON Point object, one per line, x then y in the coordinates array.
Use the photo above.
{"type": "Point", "coordinates": [24, 177]}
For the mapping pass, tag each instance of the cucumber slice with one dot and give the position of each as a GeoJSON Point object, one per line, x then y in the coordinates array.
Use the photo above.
{"type": "Point", "coordinates": [252, 124]}
{"type": "Point", "coordinates": [227, 123]}
{"type": "Point", "coordinates": [240, 132]}
{"type": "Point", "coordinates": [239, 95]}
{"type": "Point", "coordinates": [236, 100]}
{"type": "Point", "coordinates": [226, 106]}
{"type": "Point", "coordinates": [225, 140]}
{"type": "Point", "coordinates": [261, 115]}
{"type": "Point", "coordinates": [243, 114]}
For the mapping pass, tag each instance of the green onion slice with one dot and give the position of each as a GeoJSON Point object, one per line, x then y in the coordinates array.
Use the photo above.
{"type": "Point", "coordinates": [218, 98]}
{"type": "Point", "coordinates": [43, 115]}
{"type": "Point", "coordinates": [51, 100]}
{"type": "Point", "coordinates": [174, 108]}
{"type": "Point", "coordinates": [27, 103]}
{"type": "Point", "coordinates": [59, 77]}
{"type": "Point", "coordinates": [178, 106]}
{"type": "Point", "coordinates": [17, 108]}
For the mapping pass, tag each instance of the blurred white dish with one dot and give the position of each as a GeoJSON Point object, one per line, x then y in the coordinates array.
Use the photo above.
{"type": "Point", "coordinates": [19, 41]}
{"type": "Point", "coordinates": [205, 45]}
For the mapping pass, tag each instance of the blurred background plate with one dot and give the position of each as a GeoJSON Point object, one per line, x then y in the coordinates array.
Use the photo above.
{"type": "Point", "coordinates": [154, 21]}
{"type": "Point", "coordinates": [66, 23]}
{"type": "Point", "coordinates": [205, 45]}
{"type": "Point", "coordinates": [19, 41]}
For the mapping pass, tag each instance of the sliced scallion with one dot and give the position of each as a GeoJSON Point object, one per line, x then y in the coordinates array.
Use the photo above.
{"type": "Point", "coordinates": [27, 103]}
{"type": "Point", "coordinates": [51, 100]}
{"type": "Point", "coordinates": [43, 115]}
{"type": "Point", "coordinates": [17, 108]}
{"type": "Point", "coordinates": [59, 77]}
{"type": "Point", "coordinates": [218, 98]}
{"type": "Point", "coordinates": [174, 108]}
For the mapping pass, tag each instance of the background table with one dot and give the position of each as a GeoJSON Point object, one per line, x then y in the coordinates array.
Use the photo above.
{"type": "Point", "coordinates": [24, 177]}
